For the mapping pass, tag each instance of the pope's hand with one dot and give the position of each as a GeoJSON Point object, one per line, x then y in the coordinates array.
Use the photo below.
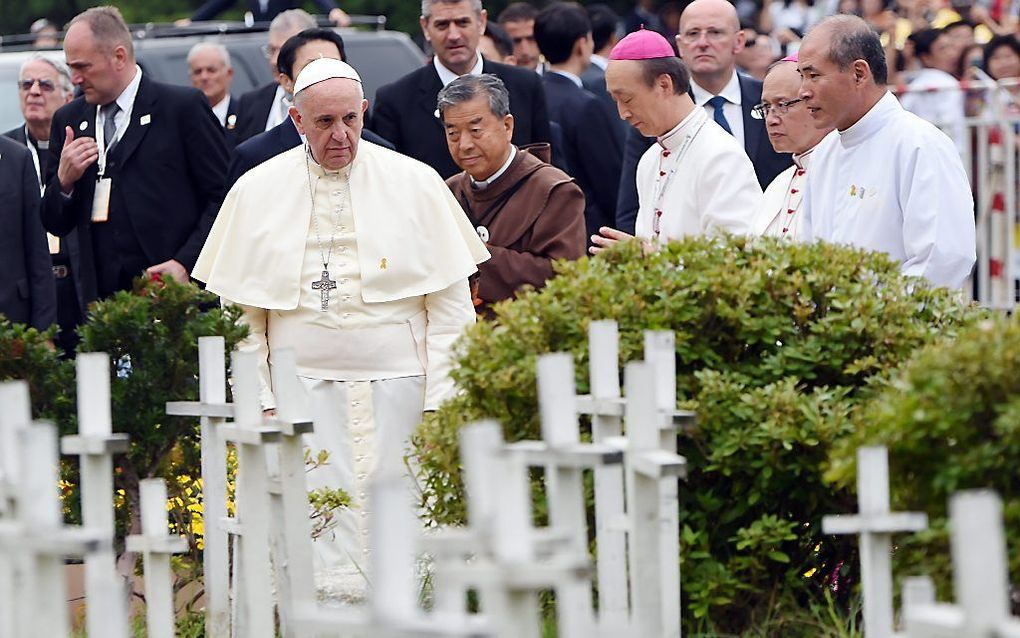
{"type": "Point", "coordinates": [607, 238]}
{"type": "Point", "coordinates": [76, 156]}
{"type": "Point", "coordinates": [340, 18]}
{"type": "Point", "coordinates": [173, 267]}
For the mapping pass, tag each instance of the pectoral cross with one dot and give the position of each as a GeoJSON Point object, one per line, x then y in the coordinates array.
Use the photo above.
{"type": "Point", "coordinates": [324, 285]}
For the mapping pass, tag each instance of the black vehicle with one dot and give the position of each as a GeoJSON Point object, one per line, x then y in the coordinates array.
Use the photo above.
{"type": "Point", "coordinates": [380, 57]}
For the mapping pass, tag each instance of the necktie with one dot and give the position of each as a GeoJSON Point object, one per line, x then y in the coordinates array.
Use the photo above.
{"type": "Point", "coordinates": [720, 118]}
{"type": "Point", "coordinates": [109, 124]}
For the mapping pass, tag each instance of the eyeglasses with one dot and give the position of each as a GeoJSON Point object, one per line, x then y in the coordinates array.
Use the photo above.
{"type": "Point", "coordinates": [269, 51]}
{"type": "Point", "coordinates": [762, 111]}
{"type": "Point", "coordinates": [46, 86]}
{"type": "Point", "coordinates": [713, 35]}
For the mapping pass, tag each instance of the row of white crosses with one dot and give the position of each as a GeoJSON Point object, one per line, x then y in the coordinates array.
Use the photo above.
{"type": "Point", "coordinates": [35, 542]}
{"type": "Point", "coordinates": [980, 562]}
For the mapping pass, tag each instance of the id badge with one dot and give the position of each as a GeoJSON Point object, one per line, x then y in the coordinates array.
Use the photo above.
{"type": "Point", "coordinates": [54, 243]}
{"type": "Point", "coordinates": [101, 200]}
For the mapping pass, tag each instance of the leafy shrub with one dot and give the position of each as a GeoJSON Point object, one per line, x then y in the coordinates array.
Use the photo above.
{"type": "Point", "coordinates": [776, 346]}
{"type": "Point", "coordinates": [951, 421]}
{"type": "Point", "coordinates": [28, 354]}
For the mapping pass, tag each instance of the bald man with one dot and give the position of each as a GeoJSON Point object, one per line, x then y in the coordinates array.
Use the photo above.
{"type": "Point", "coordinates": [887, 181]}
{"type": "Point", "coordinates": [211, 73]}
{"type": "Point", "coordinates": [708, 41]}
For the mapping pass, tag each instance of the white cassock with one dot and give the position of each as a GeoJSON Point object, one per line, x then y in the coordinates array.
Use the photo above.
{"type": "Point", "coordinates": [781, 211]}
{"type": "Point", "coordinates": [378, 355]}
{"type": "Point", "coordinates": [894, 183]}
{"type": "Point", "coordinates": [696, 180]}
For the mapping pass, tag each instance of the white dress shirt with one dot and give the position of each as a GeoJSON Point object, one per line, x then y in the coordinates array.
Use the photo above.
{"type": "Point", "coordinates": [570, 76]}
{"type": "Point", "coordinates": [732, 109]}
{"type": "Point", "coordinates": [278, 111]}
{"type": "Point", "coordinates": [220, 110]}
{"type": "Point", "coordinates": [126, 102]}
{"type": "Point", "coordinates": [446, 75]}
{"type": "Point", "coordinates": [599, 61]}
{"type": "Point", "coordinates": [894, 183]}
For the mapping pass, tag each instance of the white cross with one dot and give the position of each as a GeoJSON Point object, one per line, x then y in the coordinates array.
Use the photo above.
{"type": "Point", "coordinates": [980, 576]}
{"type": "Point", "coordinates": [213, 410]}
{"type": "Point", "coordinates": [875, 525]}
{"type": "Point", "coordinates": [156, 544]}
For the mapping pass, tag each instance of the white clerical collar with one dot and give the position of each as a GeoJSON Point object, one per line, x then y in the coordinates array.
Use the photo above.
{"type": "Point", "coordinates": [485, 183]}
{"type": "Point", "coordinates": [731, 92]}
{"type": "Point", "coordinates": [802, 159]}
{"type": "Point", "coordinates": [446, 75]}
{"type": "Point", "coordinates": [570, 76]}
{"type": "Point", "coordinates": [599, 61]}
{"type": "Point", "coordinates": [221, 108]}
{"type": "Point", "coordinates": [672, 140]}
{"type": "Point", "coordinates": [126, 99]}
{"type": "Point", "coordinates": [321, 171]}
{"type": "Point", "coordinates": [871, 122]}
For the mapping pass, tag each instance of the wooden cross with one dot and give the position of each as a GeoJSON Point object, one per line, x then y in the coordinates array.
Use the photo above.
{"type": "Point", "coordinates": [655, 610]}
{"type": "Point", "coordinates": [980, 577]}
{"type": "Point", "coordinates": [39, 541]}
{"type": "Point", "coordinates": [213, 410]}
{"type": "Point", "coordinates": [324, 285]}
{"type": "Point", "coordinates": [875, 525]}
{"type": "Point", "coordinates": [156, 544]}
{"type": "Point", "coordinates": [94, 445]}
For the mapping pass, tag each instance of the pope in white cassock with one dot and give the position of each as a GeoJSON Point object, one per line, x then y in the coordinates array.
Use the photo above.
{"type": "Point", "coordinates": [697, 179]}
{"type": "Point", "coordinates": [886, 180]}
{"type": "Point", "coordinates": [357, 258]}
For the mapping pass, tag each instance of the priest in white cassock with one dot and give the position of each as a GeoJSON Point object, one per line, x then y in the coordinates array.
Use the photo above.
{"type": "Point", "coordinates": [791, 130]}
{"type": "Point", "coordinates": [697, 179]}
{"type": "Point", "coordinates": [357, 258]}
{"type": "Point", "coordinates": [887, 180]}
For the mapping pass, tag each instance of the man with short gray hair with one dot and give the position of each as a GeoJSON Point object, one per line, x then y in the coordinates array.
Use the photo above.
{"type": "Point", "coordinates": [211, 73]}
{"type": "Point", "coordinates": [886, 180]}
{"type": "Point", "coordinates": [405, 111]}
{"type": "Point", "coordinates": [528, 212]}
{"type": "Point", "coordinates": [264, 108]}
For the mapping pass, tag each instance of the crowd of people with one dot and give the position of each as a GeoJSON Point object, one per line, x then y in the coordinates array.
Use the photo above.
{"type": "Point", "coordinates": [367, 237]}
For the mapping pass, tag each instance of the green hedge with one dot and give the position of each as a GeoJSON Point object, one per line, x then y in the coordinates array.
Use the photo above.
{"type": "Point", "coordinates": [951, 421]}
{"type": "Point", "coordinates": [776, 345]}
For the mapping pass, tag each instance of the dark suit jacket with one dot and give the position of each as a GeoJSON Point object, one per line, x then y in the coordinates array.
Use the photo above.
{"type": "Point", "coordinates": [593, 159]}
{"type": "Point", "coordinates": [594, 79]}
{"type": "Point", "coordinates": [767, 162]}
{"type": "Point", "coordinates": [27, 290]}
{"type": "Point", "coordinates": [254, 111]}
{"type": "Point", "coordinates": [69, 250]}
{"type": "Point", "coordinates": [405, 113]}
{"type": "Point", "coordinates": [213, 8]}
{"type": "Point", "coordinates": [276, 140]}
{"type": "Point", "coordinates": [167, 177]}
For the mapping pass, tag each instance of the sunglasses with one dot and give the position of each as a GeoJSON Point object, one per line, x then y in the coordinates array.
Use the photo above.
{"type": "Point", "coordinates": [46, 86]}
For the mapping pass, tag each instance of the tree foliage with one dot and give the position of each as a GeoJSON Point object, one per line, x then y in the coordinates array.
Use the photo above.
{"type": "Point", "coordinates": [777, 345]}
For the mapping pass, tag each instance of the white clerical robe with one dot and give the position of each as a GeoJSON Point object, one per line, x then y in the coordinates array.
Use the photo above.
{"type": "Point", "coordinates": [697, 179]}
{"type": "Point", "coordinates": [894, 183]}
{"type": "Point", "coordinates": [398, 249]}
{"type": "Point", "coordinates": [781, 212]}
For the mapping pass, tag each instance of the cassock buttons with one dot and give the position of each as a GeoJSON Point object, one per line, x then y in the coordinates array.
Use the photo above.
{"type": "Point", "coordinates": [665, 153]}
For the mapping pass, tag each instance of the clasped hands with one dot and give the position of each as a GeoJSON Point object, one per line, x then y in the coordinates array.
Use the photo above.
{"type": "Point", "coordinates": [609, 237]}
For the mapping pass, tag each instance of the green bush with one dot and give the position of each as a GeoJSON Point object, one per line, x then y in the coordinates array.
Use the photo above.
{"type": "Point", "coordinates": [776, 346]}
{"type": "Point", "coordinates": [951, 421]}
{"type": "Point", "coordinates": [28, 354]}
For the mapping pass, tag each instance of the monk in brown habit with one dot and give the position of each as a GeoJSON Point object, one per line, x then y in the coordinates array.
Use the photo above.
{"type": "Point", "coordinates": [527, 211]}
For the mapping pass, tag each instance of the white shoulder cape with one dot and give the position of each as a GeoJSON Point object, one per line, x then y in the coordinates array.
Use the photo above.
{"type": "Point", "coordinates": [413, 237]}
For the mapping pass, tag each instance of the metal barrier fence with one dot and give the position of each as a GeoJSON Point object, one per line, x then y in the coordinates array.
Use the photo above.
{"type": "Point", "coordinates": [989, 149]}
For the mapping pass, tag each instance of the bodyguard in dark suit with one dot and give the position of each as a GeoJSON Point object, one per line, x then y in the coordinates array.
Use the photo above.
{"type": "Point", "coordinates": [604, 26]}
{"type": "Point", "coordinates": [296, 52]}
{"type": "Point", "coordinates": [141, 177]}
{"type": "Point", "coordinates": [211, 73]}
{"type": "Point", "coordinates": [593, 153]}
{"type": "Point", "coordinates": [27, 292]}
{"type": "Point", "coordinates": [405, 111]}
{"type": "Point", "coordinates": [271, 99]}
